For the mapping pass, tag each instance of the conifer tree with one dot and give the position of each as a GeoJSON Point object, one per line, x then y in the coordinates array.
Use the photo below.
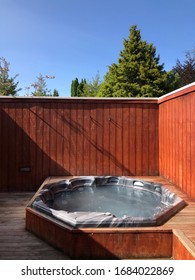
{"type": "Point", "coordinates": [74, 87]}
{"type": "Point", "coordinates": [138, 72]}
{"type": "Point", "coordinates": [186, 70]}
{"type": "Point", "coordinates": [8, 86]}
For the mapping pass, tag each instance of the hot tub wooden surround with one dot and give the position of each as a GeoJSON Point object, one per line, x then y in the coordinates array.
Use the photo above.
{"type": "Point", "coordinates": [175, 239]}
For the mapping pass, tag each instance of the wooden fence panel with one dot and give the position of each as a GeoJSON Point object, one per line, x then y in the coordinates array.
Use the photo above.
{"type": "Point", "coordinates": [44, 137]}
{"type": "Point", "coordinates": [177, 138]}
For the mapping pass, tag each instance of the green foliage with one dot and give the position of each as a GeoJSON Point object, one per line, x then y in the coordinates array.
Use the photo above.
{"type": "Point", "coordinates": [138, 72]}
{"type": "Point", "coordinates": [74, 86]}
{"type": "Point", "coordinates": [186, 70]}
{"type": "Point", "coordinates": [8, 86]}
{"type": "Point", "coordinates": [77, 89]}
{"type": "Point", "coordinates": [55, 93]}
{"type": "Point", "coordinates": [91, 88]}
{"type": "Point", "coordinates": [40, 87]}
{"type": "Point", "coordinates": [86, 88]}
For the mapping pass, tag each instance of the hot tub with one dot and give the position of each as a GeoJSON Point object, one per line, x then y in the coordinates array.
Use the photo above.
{"type": "Point", "coordinates": [107, 202]}
{"type": "Point", "coordinates": [104, 217]}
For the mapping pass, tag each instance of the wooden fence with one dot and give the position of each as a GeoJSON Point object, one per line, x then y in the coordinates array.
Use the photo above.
{"type": "Point", "coordinates": [177, 138]}
{"type": "Point", "coordinates": [52, 136]}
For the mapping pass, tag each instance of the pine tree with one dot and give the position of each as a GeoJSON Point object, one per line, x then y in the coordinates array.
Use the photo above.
{"type": "Point", "coordinates": [186, 70]}
{"type": "Point", "coordinates": [40, 87]}
{"type": "Point", "coordinates": [74, 87]}
{"type": "Point", "coordinates": [8, 86]}
{"type": "Point", "coordinates": [55, 93]}
{"type": "Point", "coordinates": [138, 72]}
{"type": "Point", "coordinates": [77, 88]}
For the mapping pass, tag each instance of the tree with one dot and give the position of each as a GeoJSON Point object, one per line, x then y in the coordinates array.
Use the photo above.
{"type": "Point", "coordinates": [77, 88]}
{"type": "Point", "coordinates": [86, 88]}
{"type": "Point", "coordinates": [40, 86]}
{"type": "Point", "coordinates": [186, 70]}
{"type": "Point", "coordinates": [138, 72]}
{"type": "Point", "coordinates": [55, 93]}
{"type": "Point", "coordinates": [8, 86]}
{"type": "Point", "coordinates": [91, 88]}
{"type": "Point", "coordinates": [74, 87]}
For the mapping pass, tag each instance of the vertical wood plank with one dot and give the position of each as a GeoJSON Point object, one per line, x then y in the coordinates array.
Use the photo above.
{"type": "Point", "coordinates": [130, 150]}
{"type": "Point", "coordinates": [86, 140]}
{"type": "Point", "coordinates": [119, 141]}
{"type": "Point", "coordinates": [106, 140]}
{"type": "Point", "coordinates": [67, 138]}
{"type": "Point", "coordinates": [145, 129]}
{"type": "Point", "coordinates": [138, 142]}
{"type": "Point", "coordinates": [26, 145]}
{"type": "Point", "coordinates": [113, 126]}
{"type": "Point", "coordinates": [100, 118]}
{"type": "Point", "coordinates": [33, 146]}
{"type": "Point", "coordinates": [19, 144]}
{"type": "Point", "coordinates": [80, 140]}
{"type": "Point", "coordinates": [93, 135]}
{"type": "Point", "coordinates": [11, 141]}
{"type": "Point", "coordinates": [39, 142]}
{"type": "Point", "coordinates": [192, 147]}
{"type": "Point", "coordinates": [73, 137]}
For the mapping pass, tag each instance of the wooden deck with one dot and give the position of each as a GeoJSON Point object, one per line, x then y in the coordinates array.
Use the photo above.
{"type": "Point", "coordinates": [17, 243]}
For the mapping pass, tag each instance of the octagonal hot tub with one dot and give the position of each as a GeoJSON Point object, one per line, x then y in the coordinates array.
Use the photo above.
{"type": "Point", "coordinates": [100, 206]}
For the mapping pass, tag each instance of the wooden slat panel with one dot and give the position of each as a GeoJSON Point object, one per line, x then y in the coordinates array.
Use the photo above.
{"type": "Point", "coordinates": [106, 140]}
{"type": "Point", "coordinates": [80, 140]}
{"type": "Point", "coordinates": [93, 140]}
{"type": "Point", "coordinates": [73, 139]}
{"type": "Point", "coordinates": [113, 128]}
{"type": "Point", "coordinates": [11, 142]}
{"type": "Point", "coordinates": [153, 141]}
{"type": "Point", "coordinates": [119, 141]}
{"type": "Point", "coordinates": [138, 142]}
{"type": "Point", "coordinates": [100, 132]}
{"type": "Point", "coordinates": [67, 138]}
{"type": "Point", "coordinates": [132, 140]}
{"type": "Point", "coordinates": [78, 137]}
{"type": "Point", "coordinates": [177, 145]}
{"type": "Point", "coordinates": [191, 142]}
{"type": "Point", "coordinates": [33, 146]}
{"type": "Point", "coordinates": [145, 129]}
{"type": "Point", "coordinates": [86, 140]}
{"type": "Point", "coordinates": [19, 145]}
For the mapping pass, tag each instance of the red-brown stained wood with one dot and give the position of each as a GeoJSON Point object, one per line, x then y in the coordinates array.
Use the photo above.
{"type": "Point", "coordinates": [86, 139]}
{"type": "Point", "coordinates": [76, 137]}
{"type": "Point", "coordinates": [131, 130]}
{"type": "Point", "coordinates": [119, 141]}
{"type": "Point", "coordinates": [99, 142]}
{"type": "Point", "coordinates": [176, 139]}
{"type": "Point", "coordinates": [93, 140]}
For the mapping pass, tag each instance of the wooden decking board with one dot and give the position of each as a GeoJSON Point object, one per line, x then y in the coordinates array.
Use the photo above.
{"type": "Point", "coordinates": [17, 243]}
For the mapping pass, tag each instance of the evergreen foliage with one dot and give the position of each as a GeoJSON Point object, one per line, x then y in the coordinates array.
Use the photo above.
{"type": "Point", "coordinates": [138, 72]}
{"type": "Point", "coordinates": [186, 70]}
{"type": "Point", "coordinates": [55, 93]}
{"type": "Point", "coordinates": [77, 88]}
{"type": "Point", "coordinates": [8, 86]}
{"type": "Point", "coordinates": [86, 88]}
{"type": "Point", "coordinates": [40, 87]}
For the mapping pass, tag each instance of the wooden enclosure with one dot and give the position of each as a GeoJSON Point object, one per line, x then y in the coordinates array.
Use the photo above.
{"type": "Point", "coordinates": [177, 138]}
{"type": "Point", "coordinates": [41, 137]}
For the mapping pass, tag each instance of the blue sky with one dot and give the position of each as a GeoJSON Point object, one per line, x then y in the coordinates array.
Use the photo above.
{"type": "Point", "coordinates": [78, 38]}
